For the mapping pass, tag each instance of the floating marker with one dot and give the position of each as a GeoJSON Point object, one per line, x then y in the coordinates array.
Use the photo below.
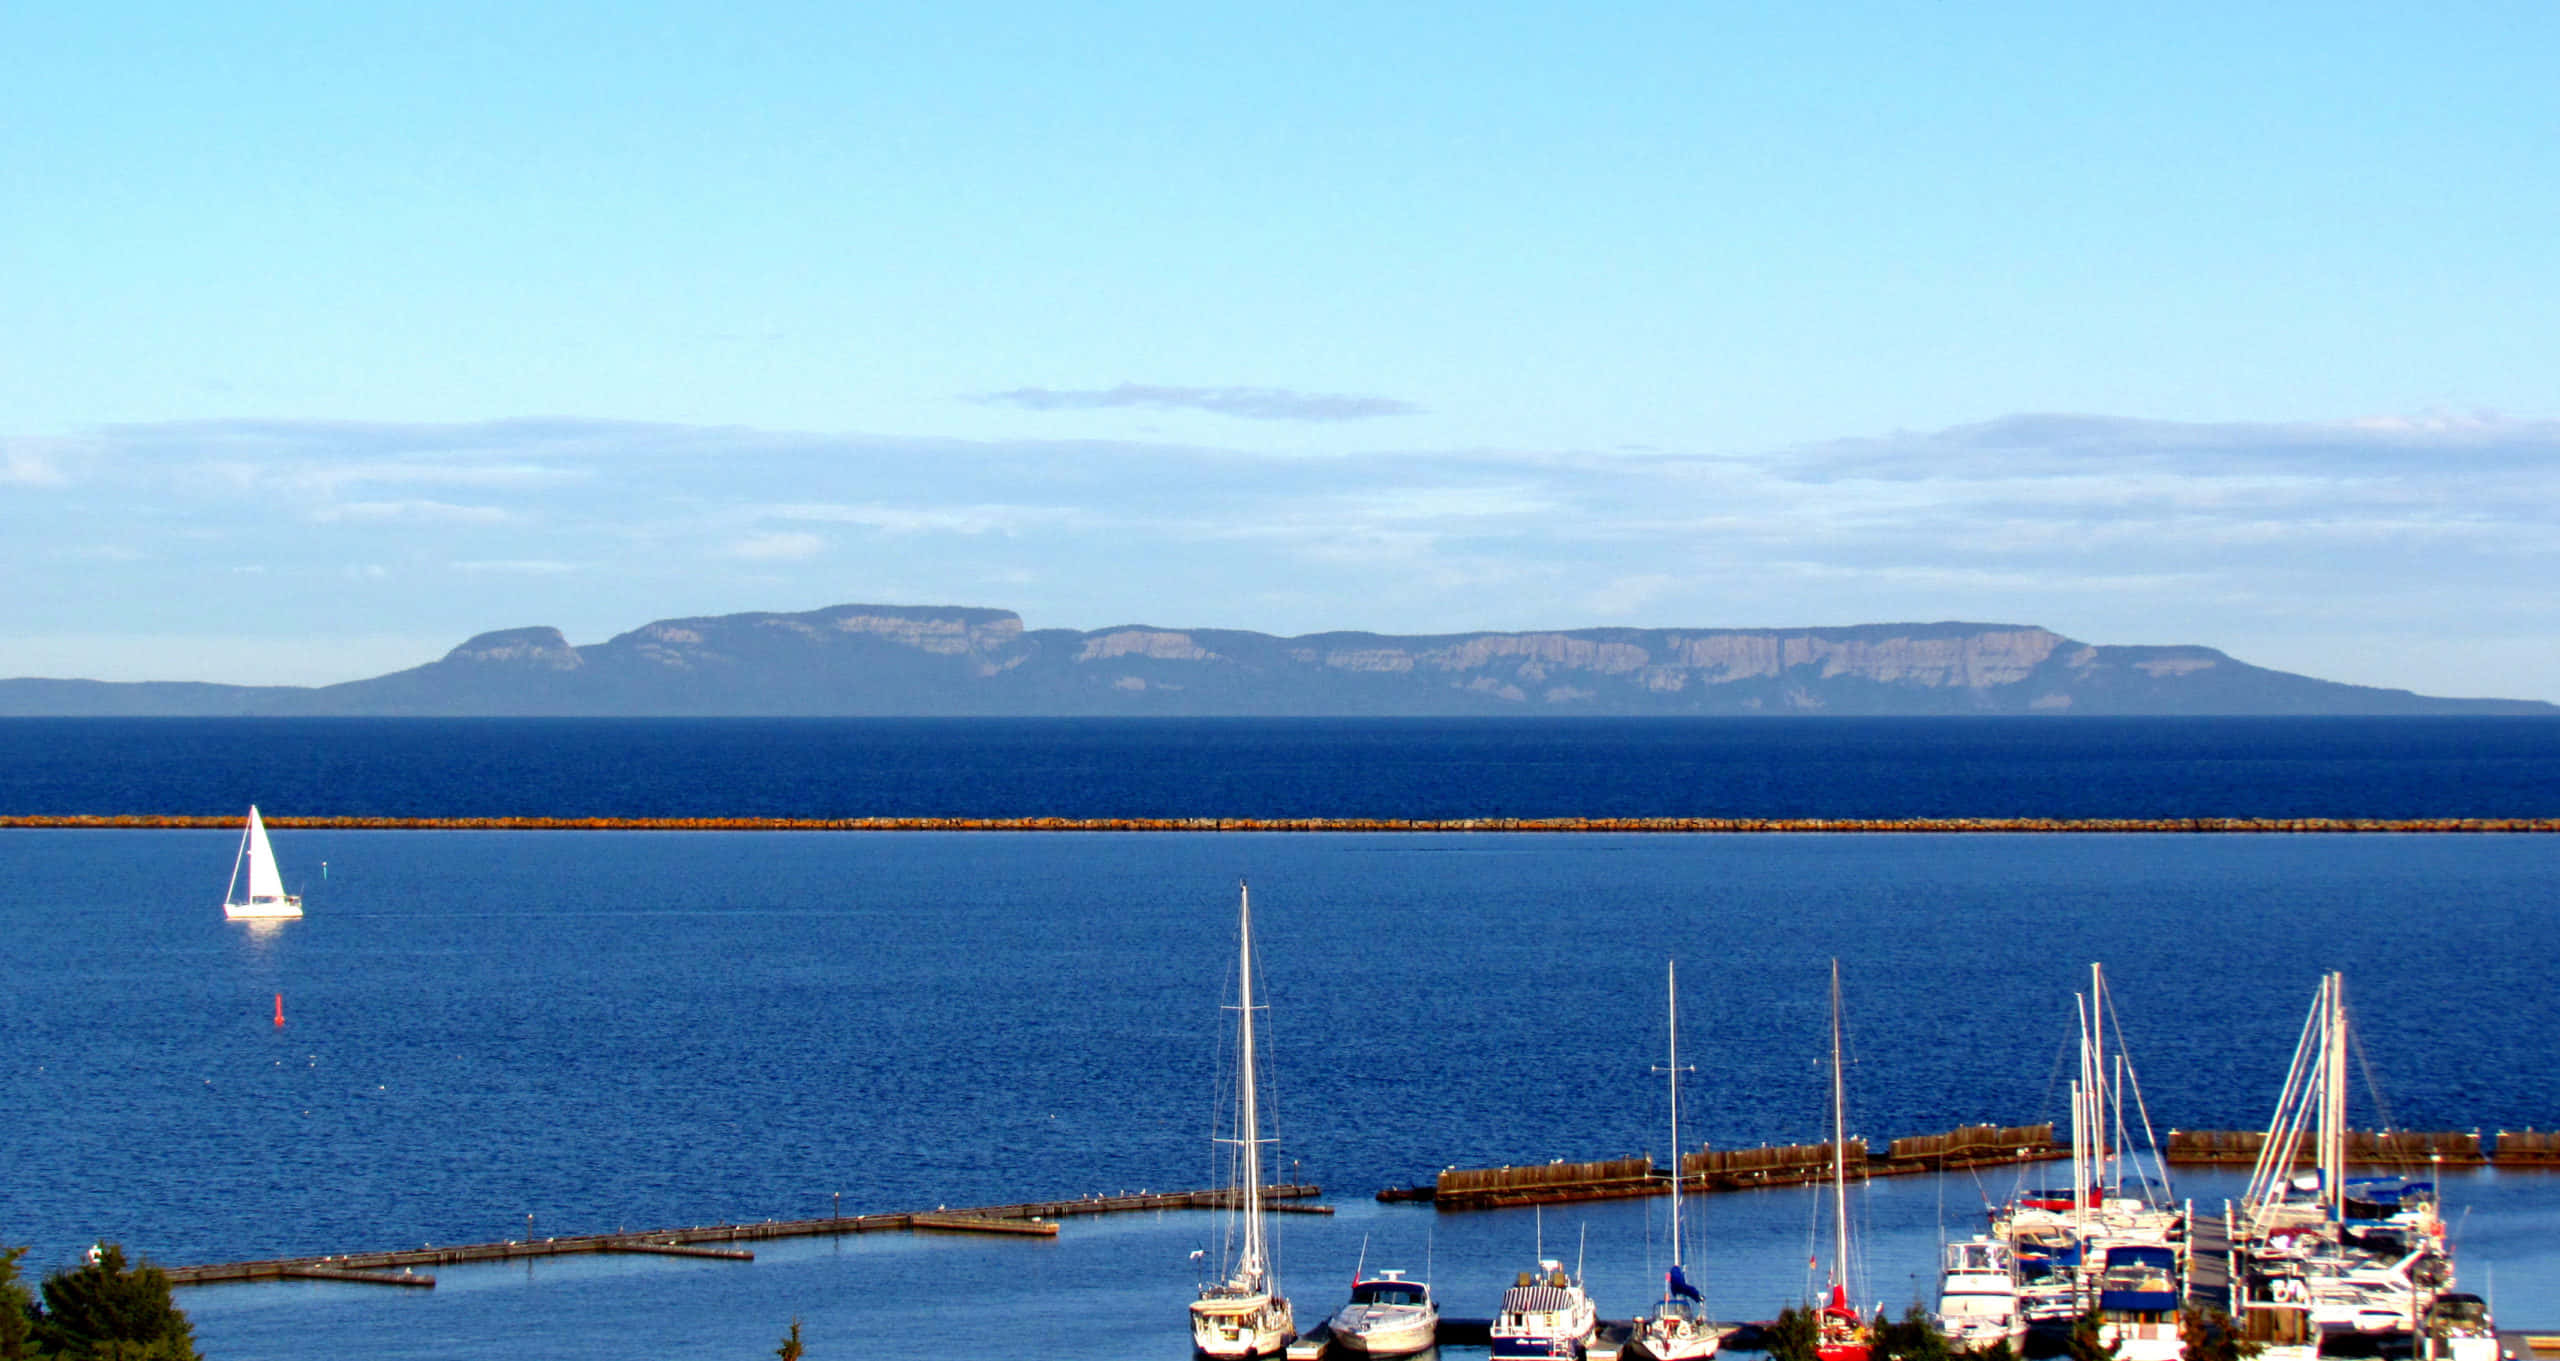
{"type": "Point", "coordinates": [279, 1010]}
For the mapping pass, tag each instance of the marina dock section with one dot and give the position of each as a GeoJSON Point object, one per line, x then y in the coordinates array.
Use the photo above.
{"type": "Point", "coordinates": [400, 1266]}
{"type": "Point", "coordinates": [1972, 1146]}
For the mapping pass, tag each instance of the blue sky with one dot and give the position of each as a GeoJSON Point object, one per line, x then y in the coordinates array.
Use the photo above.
{"type": "Point", "coordinates": [338, 333]}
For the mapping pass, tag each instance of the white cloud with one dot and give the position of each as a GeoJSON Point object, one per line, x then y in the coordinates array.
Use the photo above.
{"type": "Point", "coordinates": [528, 567]}
{"type": "Point", "coordinates": [23, 464]}
{"type": "Point", "coordinates": [413, 512]}
{"type": "Point", "coordinates": [779, 546]}
{"type": "Point", "coordinates": [2230, 535]}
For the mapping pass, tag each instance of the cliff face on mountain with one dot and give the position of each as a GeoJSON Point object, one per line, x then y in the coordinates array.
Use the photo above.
{"type": "Point", "coordinates": [890, 660]}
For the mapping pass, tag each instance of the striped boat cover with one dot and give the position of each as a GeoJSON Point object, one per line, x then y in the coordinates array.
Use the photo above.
{"type": "Point", "coordinates": [1530, 1299]}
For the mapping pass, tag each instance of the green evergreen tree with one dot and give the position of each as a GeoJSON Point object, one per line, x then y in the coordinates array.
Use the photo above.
{"type": "Point", "coordinates": [17, 1310]}
{"type": "Point", "coordinates": [1795, 1336]}
{"type": "Point", "coordinates": [790, 1348]}
{"type": "Point", "coordinates": [1914, 1338]}
{"type": "Point", "coordinates": [105, 1311]}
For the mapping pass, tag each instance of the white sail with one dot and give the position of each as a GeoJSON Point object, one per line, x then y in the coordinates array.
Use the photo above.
{"type": "Point", "coordinates": [265, 884]}
{"type": "Point", "coordinates": [257, 866]}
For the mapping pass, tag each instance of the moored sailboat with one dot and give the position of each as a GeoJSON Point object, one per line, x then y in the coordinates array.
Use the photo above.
{"type": "Point", "coordinates": [1840, 1332]}
{"type": "Point", "coordinates": [265, 898]}
{"type": "Point", "coordinates": [1244, 1314]}
{"type": "Point", "coordinates": [1679, 1329]}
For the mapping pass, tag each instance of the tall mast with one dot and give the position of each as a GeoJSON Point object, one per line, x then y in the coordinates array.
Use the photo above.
{"type": "Point", "coordinates": [1248, 1119]}
{"type": "Point", "coordinates": [2333, 1104]}
{"type": "Point", "coordinates": [2100, 1107]}
{"type": "Point", "coordinates": [1839, 1147]}
{"type": "Point", "coordinates": [1671, 976]}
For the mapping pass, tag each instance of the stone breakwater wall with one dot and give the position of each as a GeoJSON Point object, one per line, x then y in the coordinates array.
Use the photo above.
{"type": "Point", "coordinates": [131, 821]}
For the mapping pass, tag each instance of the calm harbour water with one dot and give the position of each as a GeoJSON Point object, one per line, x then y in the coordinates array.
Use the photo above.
{"type": "Point", "coordinates": [654, 1030]}
{"type": "Point", "coordinates": [631, 1029]}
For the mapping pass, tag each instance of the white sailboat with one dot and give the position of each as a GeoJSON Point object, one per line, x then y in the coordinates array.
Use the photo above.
{"type": "Point", "coordinates": [1244, 1315]}
{"type": "Point", "coordinates": [1680, 1329]}
{"type": "Point", "coordinates": [266, 899]}
{"type": "Point", "coordinates": [1840, 1332]}
{"type": "Point", "coordinates": [2318, 1258]}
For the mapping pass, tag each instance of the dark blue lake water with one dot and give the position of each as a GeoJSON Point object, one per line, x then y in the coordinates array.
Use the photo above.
{"type": "Point", "coordinates": [1881, 768]}
{"type": "Point", "coordinates": [656, 1029]}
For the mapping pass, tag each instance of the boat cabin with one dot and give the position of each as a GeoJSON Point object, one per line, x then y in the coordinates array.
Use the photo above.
{"type": "Point", "coordinates": [1390, 1290]}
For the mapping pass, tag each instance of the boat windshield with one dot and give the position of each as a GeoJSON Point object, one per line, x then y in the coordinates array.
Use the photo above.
{"type": "Point", "coordinates": [1387, 1292]}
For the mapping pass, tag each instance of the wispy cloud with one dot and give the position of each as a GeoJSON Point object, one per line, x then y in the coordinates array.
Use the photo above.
{"type": "Point", "coordinates": [23, 464]}
{"type": "Point", "coordinates": [1243, 403]}
{"type": "Point", "coordinates": [521, 567]}
{"type": "Point", "coordinates": [2239, 535]}
{"type": "Point", "coordinates": [781, 546]}
{"type": "Point", "coordinates": [413, 512]}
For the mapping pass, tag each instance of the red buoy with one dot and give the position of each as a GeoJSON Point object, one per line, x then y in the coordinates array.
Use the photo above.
{"type": "Point", "coordinates": [279, 1009]}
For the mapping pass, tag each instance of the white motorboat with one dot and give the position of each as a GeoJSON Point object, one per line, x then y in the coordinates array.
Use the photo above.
{"type": "Point", "coordinates": [1243, 1313]}
{"type": "Point", "coordinates": [2138, 1299]}
{"type": "Point", "coordinates": [1978, 1295]}
{"type": "Point", "coordinates": [265, 899]}
{"type": "Point", "coordinates": [1545, 1313]}
{"type": "Point", "coordinates": [1387, 1316]}
{"type": "Point", "coordinates": [1679, 1329]}
{"type": "Point", "coordinates": [2459, 1329]}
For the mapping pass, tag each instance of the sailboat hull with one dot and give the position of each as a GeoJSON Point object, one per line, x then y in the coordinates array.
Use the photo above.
{"type": "Point", "coordinates": [274, 909]}
{"type": "Point", "coordinates": [1233, 1327]}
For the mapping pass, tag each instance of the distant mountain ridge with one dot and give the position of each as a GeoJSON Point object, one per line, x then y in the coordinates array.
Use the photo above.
{"type": "Point", "coordinates": [901, 660]}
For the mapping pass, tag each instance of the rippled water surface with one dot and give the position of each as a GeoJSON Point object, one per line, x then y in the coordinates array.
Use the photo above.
{"type": "Point", "coordinates": [641, 1030]}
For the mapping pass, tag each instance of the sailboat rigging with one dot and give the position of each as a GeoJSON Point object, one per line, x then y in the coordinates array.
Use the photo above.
{"type": "Point", "coordinates": [1244, 1315]}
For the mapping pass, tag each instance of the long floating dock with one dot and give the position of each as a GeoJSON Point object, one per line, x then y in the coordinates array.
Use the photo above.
{"type": "Point", "coordinates": [1030, 1218]}
{"type": "Point", "coordinates": [1743, 1169]}
{"type": "Point", "coordinates": [190, 821]}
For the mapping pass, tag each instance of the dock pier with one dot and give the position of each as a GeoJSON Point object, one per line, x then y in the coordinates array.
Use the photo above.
{"type": "Point", "coordinates": [1039, 1219]}
{"type": "Point", "coordinates": [1740, 1169]}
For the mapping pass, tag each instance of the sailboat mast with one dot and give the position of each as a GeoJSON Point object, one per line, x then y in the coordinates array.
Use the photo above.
{"type": "Point", "coordinates": [1671, 976]}
{"type": "Point", "coordinates": [1839, 1146]}
{"type": "Point", "coordinates": [230, 891]}
{"type": "Point", "coordinates": [1248, 1118]}
{"type": "Point", "coordinates": [2333, 1105]}
{"type": "Point", "coordinates": [2100, 1106]}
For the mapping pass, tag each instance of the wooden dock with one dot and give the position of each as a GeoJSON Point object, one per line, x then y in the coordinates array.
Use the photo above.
{"type": "Point", "coordinates": [2404, 1150]}
{"type": "Point", "coordinates": [400, 1267]}
{"type": "Point", "coordinates": [1730, 1169]}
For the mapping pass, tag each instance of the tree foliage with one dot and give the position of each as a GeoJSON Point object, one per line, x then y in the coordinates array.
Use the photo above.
{"type": "Point", "coordinates": [790, 1348]}
{"type": "Point", "coordinates": [1914, 1338]}
{"type": "Point", "coordinates": [1795, 1336]}
{"type": "Point", "coordinates": [17, 1310]}
{"type": "Point", "coordinates": [104, 1310]}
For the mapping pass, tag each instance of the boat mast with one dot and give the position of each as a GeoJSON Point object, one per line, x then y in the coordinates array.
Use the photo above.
{"type": "Point", "coordinates": [2102, 1169]}
{"type": "Point", "coordinates": [2333, 1104]}
{"type": "Point", "coordinates": [1671, 976]}
{"type": "Point", "coordinates": [242, 858]}
{"type": "Point", "coordinates": [1839, 1149]}
{"type": "Point", "coordinates": [1249, 1267]}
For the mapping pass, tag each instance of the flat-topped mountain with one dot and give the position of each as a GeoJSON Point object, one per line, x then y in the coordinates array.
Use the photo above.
{"type": "Point", "coordinates": [894, 660]}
